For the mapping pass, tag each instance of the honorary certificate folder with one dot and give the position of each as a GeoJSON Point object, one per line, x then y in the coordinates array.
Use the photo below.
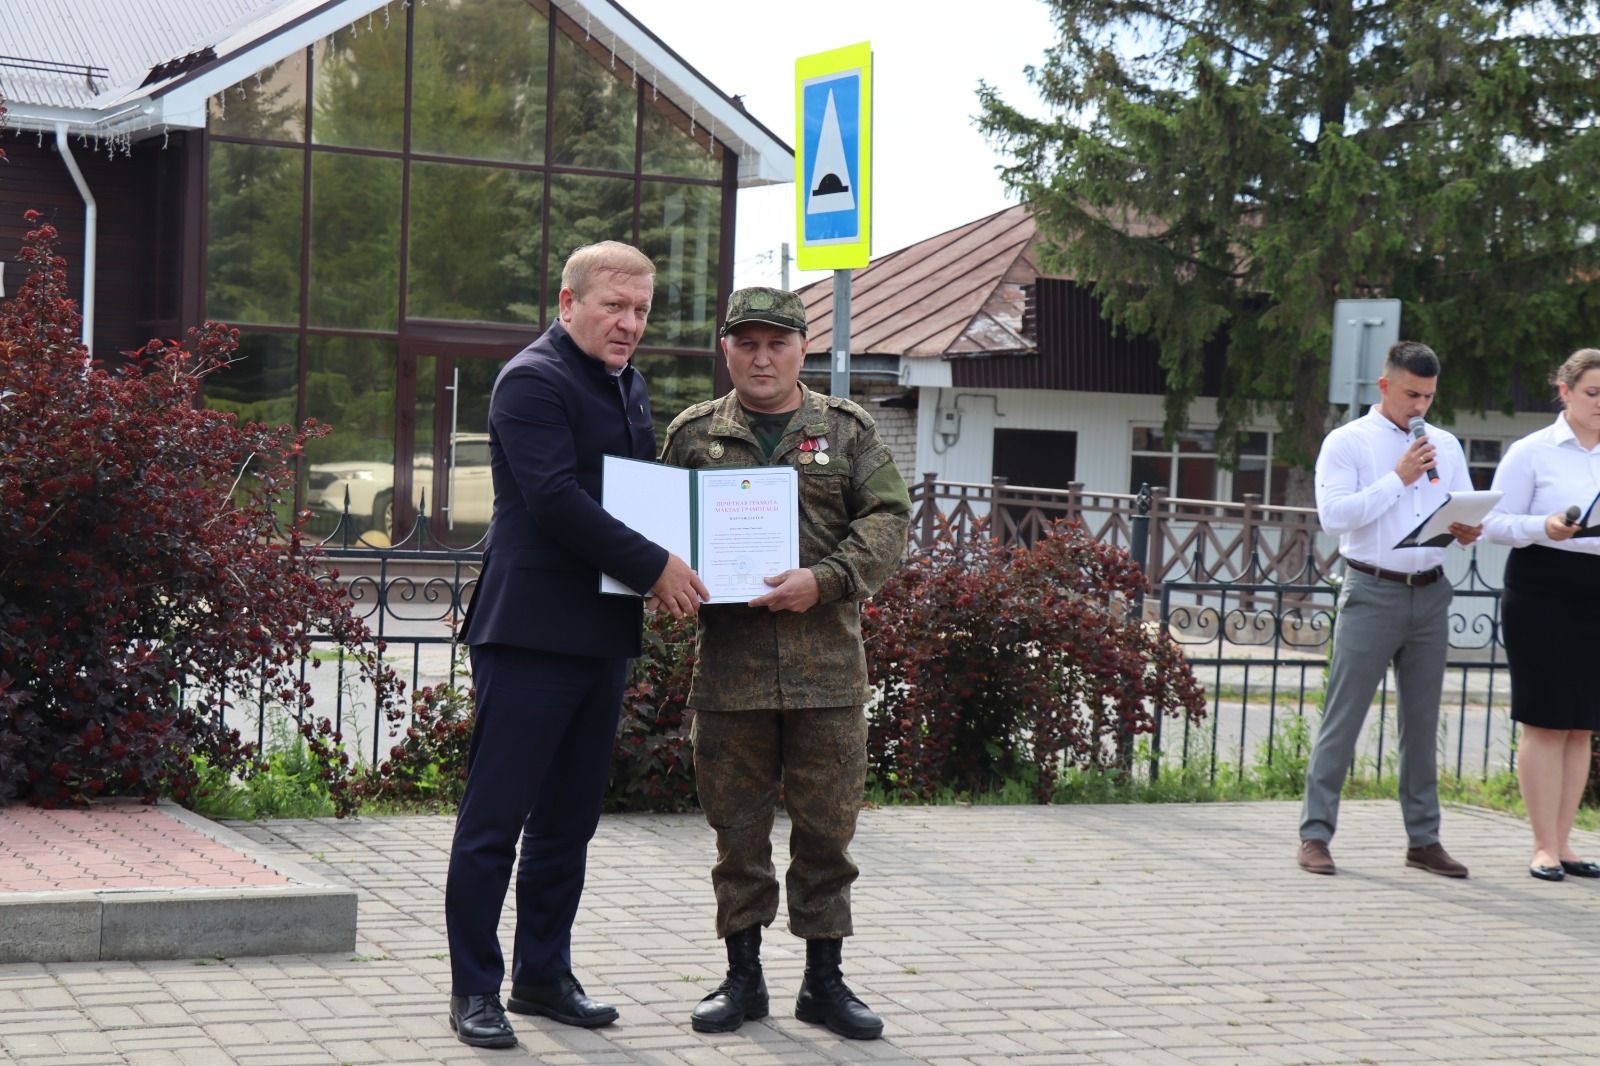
{"type": "Point", "coordinates": [733, 525]}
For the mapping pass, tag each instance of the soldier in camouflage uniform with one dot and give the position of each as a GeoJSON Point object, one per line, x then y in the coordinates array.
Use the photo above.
{"type": "Point", "coordinates": [779, 683]}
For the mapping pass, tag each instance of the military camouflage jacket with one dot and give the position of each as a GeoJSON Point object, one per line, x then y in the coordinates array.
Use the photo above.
{"type": "Point", "coordinates": [854, 511]}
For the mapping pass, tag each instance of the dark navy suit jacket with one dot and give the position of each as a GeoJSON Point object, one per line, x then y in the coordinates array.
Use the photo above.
{"type": "Point", "coordinates": [553, 413]}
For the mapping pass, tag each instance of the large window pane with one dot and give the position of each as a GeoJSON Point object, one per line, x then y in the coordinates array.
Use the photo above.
{"type": "Point", "coordinates": [680, 227]}
{"type": "Point", "coordinates": [358, 84]}
{"type": "Point", "coordinates": [1152, 470]}
{"type": "Point", "coordinates": [423, 489]}
{"type": "Point", "coordinates": [469, 486]}
{"type": "Point", "coordinates": [270, 105]}
{"type": "Point", "coordinates": [350, 386]}
{"type": "Point", "coordinates": [584, 210]}
{"type": "Point", "coordinates": [475, 243]}
{"type": "Point", "coordinates": [1251, 477]}
{"type": "Point", "coordinates": [1197, 479]}
{"type": "Point", "coordinates": [595, 108]}
{"type": "Point", "coordinates": [355, 241]}
{"type": "Point", "coordinates": [260, 384]}
{"type": "Point", "coordinates": [671, 148]}
{"type": "Point", "coordinates": [479, 73]}
{"type": "Point", "coordinates": [675, 381]}
{"type": "Point", "coordinates": [254, 199]}
{"type": "Point", "coordinates": [1148, 439]}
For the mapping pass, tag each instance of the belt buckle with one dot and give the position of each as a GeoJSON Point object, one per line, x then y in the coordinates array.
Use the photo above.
{"type": "Point", "coordinates": [1411, 580]}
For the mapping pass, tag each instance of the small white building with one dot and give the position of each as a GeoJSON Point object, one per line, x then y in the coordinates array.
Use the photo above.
{"type": "Point", "coordinates": [1004, 372]}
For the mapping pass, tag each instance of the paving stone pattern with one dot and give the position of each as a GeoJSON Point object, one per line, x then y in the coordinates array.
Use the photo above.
{"type": "Point", "coordinates": [1118, 935]}
{"type": "Point", "coordinates": [116, 845]}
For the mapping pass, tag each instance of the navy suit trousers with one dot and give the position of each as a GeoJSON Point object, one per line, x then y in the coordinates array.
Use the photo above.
{"type": "Point", "coordinates": [540, 757]}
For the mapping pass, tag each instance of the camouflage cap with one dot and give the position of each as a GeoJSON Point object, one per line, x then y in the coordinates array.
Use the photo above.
{"type": "Point", "coordinates": [775, 307]}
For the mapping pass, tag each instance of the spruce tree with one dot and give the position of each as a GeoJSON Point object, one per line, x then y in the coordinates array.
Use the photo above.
{"type": "Point", "coordinates": [1239, 165]}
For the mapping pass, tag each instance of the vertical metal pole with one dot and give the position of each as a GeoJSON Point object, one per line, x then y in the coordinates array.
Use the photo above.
{"type": "Point", "coordinates": [1355, 379]}
{"type": "Point", "coordinates": [783, 265]}
{"type": "Point", "coordinates": [839, 380]}
{"type": "Point", "coordinates": [1139, 551]}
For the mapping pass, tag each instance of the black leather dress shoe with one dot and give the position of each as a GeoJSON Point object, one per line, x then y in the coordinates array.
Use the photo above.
{"type": "Point", "coordinates": [481, 1021]}
{"type": "Point", "coordinates": [1548, 873]}
{"type": "Point", "coordinates": [1581, 868]}
{"type": "Point", "coordinates": [561, 998]}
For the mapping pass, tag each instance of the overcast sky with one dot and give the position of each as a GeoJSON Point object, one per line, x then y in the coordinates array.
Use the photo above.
{"type": "Point", "coordinates": [932, 170]}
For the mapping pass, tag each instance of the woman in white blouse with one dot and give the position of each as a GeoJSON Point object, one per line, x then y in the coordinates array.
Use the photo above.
{"type": "Point", "coordinates": [1550, 628]}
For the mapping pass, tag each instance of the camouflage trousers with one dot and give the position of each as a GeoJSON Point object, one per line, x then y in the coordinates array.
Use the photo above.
{"type": "Point", "coordinates": [819, 756]}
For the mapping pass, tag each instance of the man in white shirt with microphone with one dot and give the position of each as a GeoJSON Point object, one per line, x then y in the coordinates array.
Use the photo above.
{"type": "Point", "coordinates": [1377, 480]}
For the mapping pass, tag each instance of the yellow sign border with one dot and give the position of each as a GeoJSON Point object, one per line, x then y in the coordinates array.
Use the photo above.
{"type": "Point", "coordinates": [859, 252]}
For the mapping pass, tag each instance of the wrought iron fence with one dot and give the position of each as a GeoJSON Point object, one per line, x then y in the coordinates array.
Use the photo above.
{"type": "Point", "coordinates": [413, 596]}
{"type": "Point", "coordinates": [1261, 650]}
{"type": "Point", "coordinates": [1247, 590]}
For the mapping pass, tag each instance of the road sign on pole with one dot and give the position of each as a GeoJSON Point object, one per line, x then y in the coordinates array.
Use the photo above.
{"type": "Point", "coordinates": [833, 189]}
{"type": "Point", "coordinates": [1363, 330]}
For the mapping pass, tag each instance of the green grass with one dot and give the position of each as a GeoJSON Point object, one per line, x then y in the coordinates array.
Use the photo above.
{"type": "Point", "coordinates": [286, 786]}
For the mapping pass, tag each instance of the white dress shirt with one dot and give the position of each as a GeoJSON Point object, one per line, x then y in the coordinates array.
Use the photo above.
{"type": "Point", "coordinates": [1362, 500]}
{"type": "Point", "coordinates": [1543, 474]}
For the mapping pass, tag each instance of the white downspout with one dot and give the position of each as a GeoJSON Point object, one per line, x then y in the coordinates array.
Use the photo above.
{"type": "Point", "coordinates": [91, 213]}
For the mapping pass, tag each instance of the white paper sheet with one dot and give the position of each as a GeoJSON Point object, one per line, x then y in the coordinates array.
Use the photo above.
{"type": "Point", "coordinates": [650, 499]}
{"type": "Point", "coordinates": [748, 530]}
{"type": "Point", "coordinates": [1467, 508]}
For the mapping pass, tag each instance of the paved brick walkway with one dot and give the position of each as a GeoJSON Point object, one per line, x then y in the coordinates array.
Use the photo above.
{"type": "Point", "coordinates": [116, 845]}
{"type": "Point", "coordinates": [1112, 935]}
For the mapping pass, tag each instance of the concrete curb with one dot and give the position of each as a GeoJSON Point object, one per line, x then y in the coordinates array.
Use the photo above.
{"type": "Point", "coordinates": [307, 916]}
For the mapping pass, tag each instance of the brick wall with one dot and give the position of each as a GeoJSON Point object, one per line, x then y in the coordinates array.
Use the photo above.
{"type": "Point", "coordinates": [897, 427]}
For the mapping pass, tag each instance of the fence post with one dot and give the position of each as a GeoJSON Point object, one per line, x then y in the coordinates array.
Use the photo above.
{"type": "Point", "coordinates": [997, 516]}
{"type": "Point", "coordinates": [1075, 501]}
{"type": "Point", "coordinates": [1139, 551]}
{"type": "Point", "coordinates": [1156, 570]}
{"type": "Point", "coordinates": [1249, 542]}
{"type": "Point", "coordinates": [1139, 540]}
{"type": "Point", "coordinates": [930, 505]}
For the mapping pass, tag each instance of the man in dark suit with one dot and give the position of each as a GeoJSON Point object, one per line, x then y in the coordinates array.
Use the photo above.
{"type": "Point", "coordinates": [549, 651]}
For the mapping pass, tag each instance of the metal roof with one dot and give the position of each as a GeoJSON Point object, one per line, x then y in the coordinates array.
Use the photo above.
{"type": "Point", "coordinates": [126, 40]}
{"type": "Point", "coordinates": [957, 293]}
{"type": "Point", "coordinates": [132, 37]}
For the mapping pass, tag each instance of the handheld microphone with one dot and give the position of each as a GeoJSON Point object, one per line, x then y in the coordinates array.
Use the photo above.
{"type": "Point", "coordinates": [1572, 515]}
{"type": "Point", "coordinates": [1419, 430]}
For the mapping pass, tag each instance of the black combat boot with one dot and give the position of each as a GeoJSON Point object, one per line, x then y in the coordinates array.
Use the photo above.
{"type": "Point", "coordinates": [826, 999]}
{"type": "Point", "coordinates": [743, 994]}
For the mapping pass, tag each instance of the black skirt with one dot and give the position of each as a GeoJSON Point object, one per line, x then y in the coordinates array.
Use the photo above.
{"type": "Point", "coordinates": [1552, 632]}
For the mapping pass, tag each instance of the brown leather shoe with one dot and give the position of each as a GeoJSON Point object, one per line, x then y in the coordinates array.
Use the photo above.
{"type": "Point", "coordinates": [1315, 858]}
{"type": "Point", "coordinates": [1434, 859]}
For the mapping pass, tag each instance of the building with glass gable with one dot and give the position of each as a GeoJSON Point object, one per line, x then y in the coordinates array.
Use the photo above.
{"type": "Point", "coordinates": [380, 196]}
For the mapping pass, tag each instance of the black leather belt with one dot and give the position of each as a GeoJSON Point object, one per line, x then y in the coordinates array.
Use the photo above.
{"type": "Point", "coordinates": [1417, 580]}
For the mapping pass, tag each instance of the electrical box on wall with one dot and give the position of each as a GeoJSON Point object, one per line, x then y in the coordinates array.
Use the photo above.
{"type": "Point", "coordinates": [950, 423]}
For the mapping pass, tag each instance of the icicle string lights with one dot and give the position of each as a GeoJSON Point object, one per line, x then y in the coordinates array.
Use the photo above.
{"type": "Point", "coordinates": [635, 68]}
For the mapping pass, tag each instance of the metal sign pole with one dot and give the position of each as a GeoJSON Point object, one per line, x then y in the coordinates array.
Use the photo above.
{"type": "Point", "coordinates": [1355, 381]}
{"type": "Point", "coordinates": [839, 379]}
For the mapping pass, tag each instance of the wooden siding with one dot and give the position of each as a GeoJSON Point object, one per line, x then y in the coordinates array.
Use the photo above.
{"type": "Point", "coordinates": [1079, 351]}
{"type": "Point", "coordinates": [139, 230]}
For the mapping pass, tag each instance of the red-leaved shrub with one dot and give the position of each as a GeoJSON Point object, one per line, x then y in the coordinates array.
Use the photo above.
{"type": "Point", "coordinates": [141, 576]}
{"type": "Point", "coordinates": [995, 663]}
{"type": "Point", "coordinates": [652, 764]}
